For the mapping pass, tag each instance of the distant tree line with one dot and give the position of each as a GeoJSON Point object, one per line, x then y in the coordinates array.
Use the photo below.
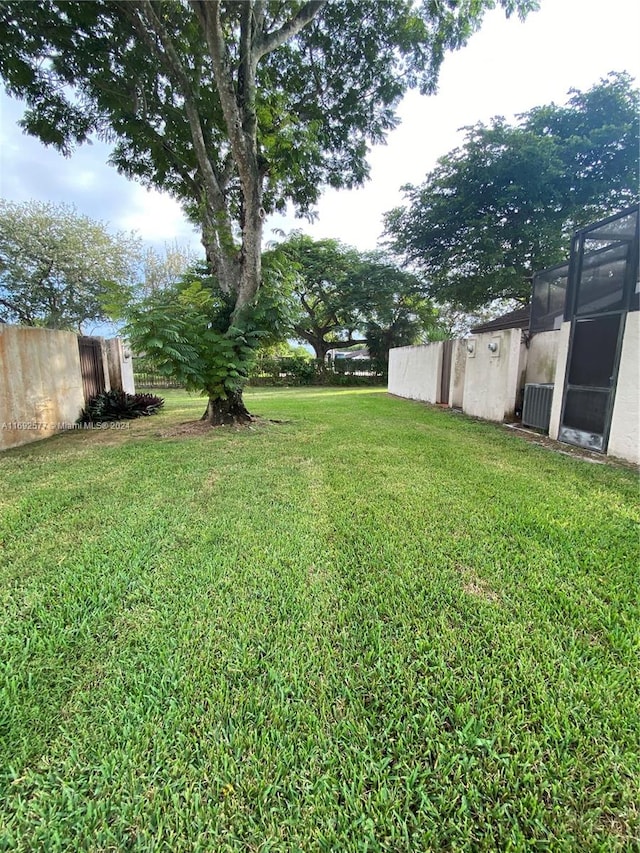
{"type": "Point", "coordinates": [491, 213]}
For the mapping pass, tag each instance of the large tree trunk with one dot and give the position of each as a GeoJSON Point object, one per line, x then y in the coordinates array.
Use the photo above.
{"type": "Point", "coordinates": [251, 253]}
{"type": "Point", "coordinates": [320, 349]}
{"type": "Point", "coordinates": [227, 410]}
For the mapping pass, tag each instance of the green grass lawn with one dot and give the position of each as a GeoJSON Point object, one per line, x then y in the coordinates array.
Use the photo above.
{"type": "Point", "coordinates": [376, 626]}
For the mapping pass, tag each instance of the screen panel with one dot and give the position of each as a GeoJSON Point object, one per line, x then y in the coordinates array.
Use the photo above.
{"type": "Point", "coordinates": [594, 351]}
{"type": "Point", "coordinates": [548, 298]}
{"type": "Point", "coordinates": [601, 285]}
{"type": "Point", "coordinates": [586, 410]}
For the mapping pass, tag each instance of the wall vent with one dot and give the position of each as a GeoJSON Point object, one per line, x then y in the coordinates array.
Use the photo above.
{"type": "Point", "coordinates": [536, 410]}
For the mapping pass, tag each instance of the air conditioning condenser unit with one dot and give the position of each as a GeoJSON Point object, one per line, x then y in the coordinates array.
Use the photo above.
{"type": "Point", "coordinates": [536, 409]}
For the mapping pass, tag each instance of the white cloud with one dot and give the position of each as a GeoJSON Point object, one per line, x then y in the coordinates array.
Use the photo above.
{"type": "Point", "coordinates": [83, 179]}
{"type": "Point", "coordinates": [157, 218]}
{"type": "Point", "coordinates": [507, 68]}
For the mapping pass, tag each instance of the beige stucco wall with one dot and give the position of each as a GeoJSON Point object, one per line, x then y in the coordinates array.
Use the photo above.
{"type": "Point", "coordinates": [491, 378]}
{"type": "Point", "coordinates": [624, 437]}
{"type": "Point", "coordinates": [415, 372]}
{"type": "Point", "coordinates": [523, 355]}
{"type": "Point", "coordinates": [128, 383]}
{"type": "Point", "coordinates": [458, 367]}
{"type": "Point", "coordinates": [40, 383]}
{"type": "Point", "coordinates": [558, 379]}
{"type": "Point", "coordinates": [542, 356]}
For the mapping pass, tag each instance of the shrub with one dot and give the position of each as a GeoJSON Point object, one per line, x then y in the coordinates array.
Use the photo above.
{"type": "Point", "coordinates": [304, 371]}
{"type": "Point", "coordinates": [119, 406]}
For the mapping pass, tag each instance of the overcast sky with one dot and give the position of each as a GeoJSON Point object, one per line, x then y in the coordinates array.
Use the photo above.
{"type": "Point", "coordinates": [507, 68]}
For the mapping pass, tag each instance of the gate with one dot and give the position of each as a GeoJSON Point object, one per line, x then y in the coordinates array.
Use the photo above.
{"type": "Point", "coordinates": [445, 378]}
{"type": "Point", "coordinates": [91, 367]}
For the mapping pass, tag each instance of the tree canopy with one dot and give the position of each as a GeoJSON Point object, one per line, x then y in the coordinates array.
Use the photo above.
{"type": "Point", "coordinates": [163, 270]}
{"type": "Point", "coordinates": [504, 204]}
{"type": "Point", "coordinates": [341, 297]}
{"type": "Point", "coordinates": [234, 108]}
{"type": "Point", "coordinates": [395, 307]}
{"type": "Point", "coordinates": [60, 269]}
{"type": "Point", "coordinates": [321, 311]}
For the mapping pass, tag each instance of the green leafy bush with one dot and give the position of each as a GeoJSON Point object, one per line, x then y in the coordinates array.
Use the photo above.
{"type": "Point", "coordinates": [119, 406]}
{"type": "Point", "coordinates": [284, 371]}
{"type": "Point", "coordinates": [304, 371]}
{"type": "Point", "coordinates": [192, 335]}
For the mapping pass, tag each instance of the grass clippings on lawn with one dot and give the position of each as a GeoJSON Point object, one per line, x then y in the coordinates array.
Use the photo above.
{"type": "Point", "coordinates": [375, 626]}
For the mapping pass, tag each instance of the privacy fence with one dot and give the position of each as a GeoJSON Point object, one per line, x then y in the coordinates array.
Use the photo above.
{"type": "Point", "coordinates": [47, 376]}
{"type": "Point", "coordinates": [289, 372]}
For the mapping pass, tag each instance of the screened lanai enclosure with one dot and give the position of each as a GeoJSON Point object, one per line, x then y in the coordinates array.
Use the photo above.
{"type": "Point", "coordinates": [602, 290]}
{"type": "Point", "coordinates": [548, 298]}
{"type": "Point", "coordinates": [572, 363]}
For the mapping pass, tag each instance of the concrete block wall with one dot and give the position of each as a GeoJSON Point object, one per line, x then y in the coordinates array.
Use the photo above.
{"type": "Point", "coordinates": [415, 372]}
{"type": "Point", "coordinates": [40, 383]}
{"type": "Point", "coordinates": [558, 379]}
{"type": "Point", "coordinates": [487, 371]}
{"type": "Point", "coordinates": [493, 374]}
{"type": "Point", "coordinates": [542, 356]}
{"type": "Point", "coordinates": [624, 436]}
{"type": "Point", "coordinates": [458, 368]}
